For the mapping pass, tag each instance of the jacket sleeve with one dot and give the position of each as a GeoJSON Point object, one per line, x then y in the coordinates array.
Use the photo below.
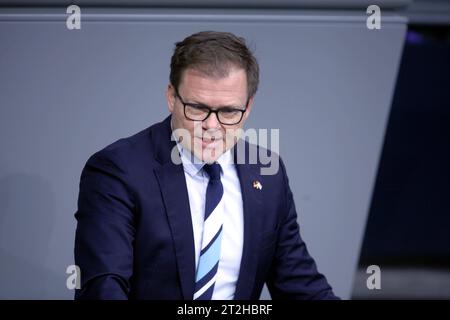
{"type": "Point", "coordinates": [105, 230]}
{"type": "Point", "coordinates": [293, 274]}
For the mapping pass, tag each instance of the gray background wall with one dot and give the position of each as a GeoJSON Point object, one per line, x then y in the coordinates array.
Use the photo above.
{"type": "Point", "coordinates": [327, 84]}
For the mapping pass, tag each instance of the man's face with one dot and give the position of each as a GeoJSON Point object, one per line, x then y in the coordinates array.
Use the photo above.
{"type": "Point", "coordinates": [209, 138]}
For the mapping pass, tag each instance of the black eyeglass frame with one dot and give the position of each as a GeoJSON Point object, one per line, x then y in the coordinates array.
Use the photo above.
{"type": "Point", "coordinates": [210, 110]}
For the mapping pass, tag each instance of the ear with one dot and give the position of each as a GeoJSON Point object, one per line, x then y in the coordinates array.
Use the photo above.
{"type": "Point", "coordinates": [249, 107]}
{"type": "Point", "coordinates": [170, 97]}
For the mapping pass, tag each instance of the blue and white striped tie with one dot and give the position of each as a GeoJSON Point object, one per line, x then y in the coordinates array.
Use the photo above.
{"type": "Point", "coordinates": [208, 263]}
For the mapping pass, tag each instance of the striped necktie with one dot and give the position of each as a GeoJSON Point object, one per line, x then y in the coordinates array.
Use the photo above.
{"type": "Point", "coordinates": [212, 236]}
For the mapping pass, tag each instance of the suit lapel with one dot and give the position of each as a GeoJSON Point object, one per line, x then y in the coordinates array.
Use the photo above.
{"type": "Point", "coordinates": [174, 191]}
{"type": "Point", "coordinates": [176, 200]}
{"type": "Point", "coordinates": [253, 207]}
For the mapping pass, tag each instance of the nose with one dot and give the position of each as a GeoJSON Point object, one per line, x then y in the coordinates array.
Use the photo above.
{"type": "Point", "coordinates": [211, 122]}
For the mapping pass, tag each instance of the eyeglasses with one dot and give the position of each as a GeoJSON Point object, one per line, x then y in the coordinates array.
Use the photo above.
{"type": "Point", "coordinates": [200, 112]}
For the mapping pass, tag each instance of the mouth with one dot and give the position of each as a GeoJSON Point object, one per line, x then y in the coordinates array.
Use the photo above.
{"type": "Point", "coordinates": [209, 142]}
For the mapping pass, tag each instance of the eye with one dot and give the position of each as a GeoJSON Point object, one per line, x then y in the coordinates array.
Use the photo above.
{"type": "Point", "coordinates": [228, 110]}
{"type": "Point", "coordinates": [199, 107]}
{"type": "Point", "coordinates": [196, 110]}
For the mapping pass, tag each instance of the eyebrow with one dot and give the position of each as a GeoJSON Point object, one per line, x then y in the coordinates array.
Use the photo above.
{"type": "Point", "coordinates": [208, 106]}
{"type": "Point", "coordinates": [238, 107]}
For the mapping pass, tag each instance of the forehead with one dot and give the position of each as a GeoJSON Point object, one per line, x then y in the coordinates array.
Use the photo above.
{"type": "Point", "coordinates": [230, 88]}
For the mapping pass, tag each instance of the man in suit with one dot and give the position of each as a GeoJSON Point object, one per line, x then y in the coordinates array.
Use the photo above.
{"type": "Point", "coordinates": [178, 211]}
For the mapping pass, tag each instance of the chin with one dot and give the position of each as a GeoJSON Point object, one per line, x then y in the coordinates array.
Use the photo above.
{"type": "Point", "coordinates": [210, 155]}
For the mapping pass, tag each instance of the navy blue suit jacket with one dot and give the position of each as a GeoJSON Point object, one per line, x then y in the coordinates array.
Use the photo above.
{"type": "Point", "coordinates": [134, 237]}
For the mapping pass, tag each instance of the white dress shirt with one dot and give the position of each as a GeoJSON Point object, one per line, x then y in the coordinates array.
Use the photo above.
{"type": "Point", "coordinates": [233, 221]}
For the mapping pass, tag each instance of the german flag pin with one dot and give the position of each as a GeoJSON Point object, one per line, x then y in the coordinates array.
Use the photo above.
{"type": "Point", "coordinates": [257, 185]}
